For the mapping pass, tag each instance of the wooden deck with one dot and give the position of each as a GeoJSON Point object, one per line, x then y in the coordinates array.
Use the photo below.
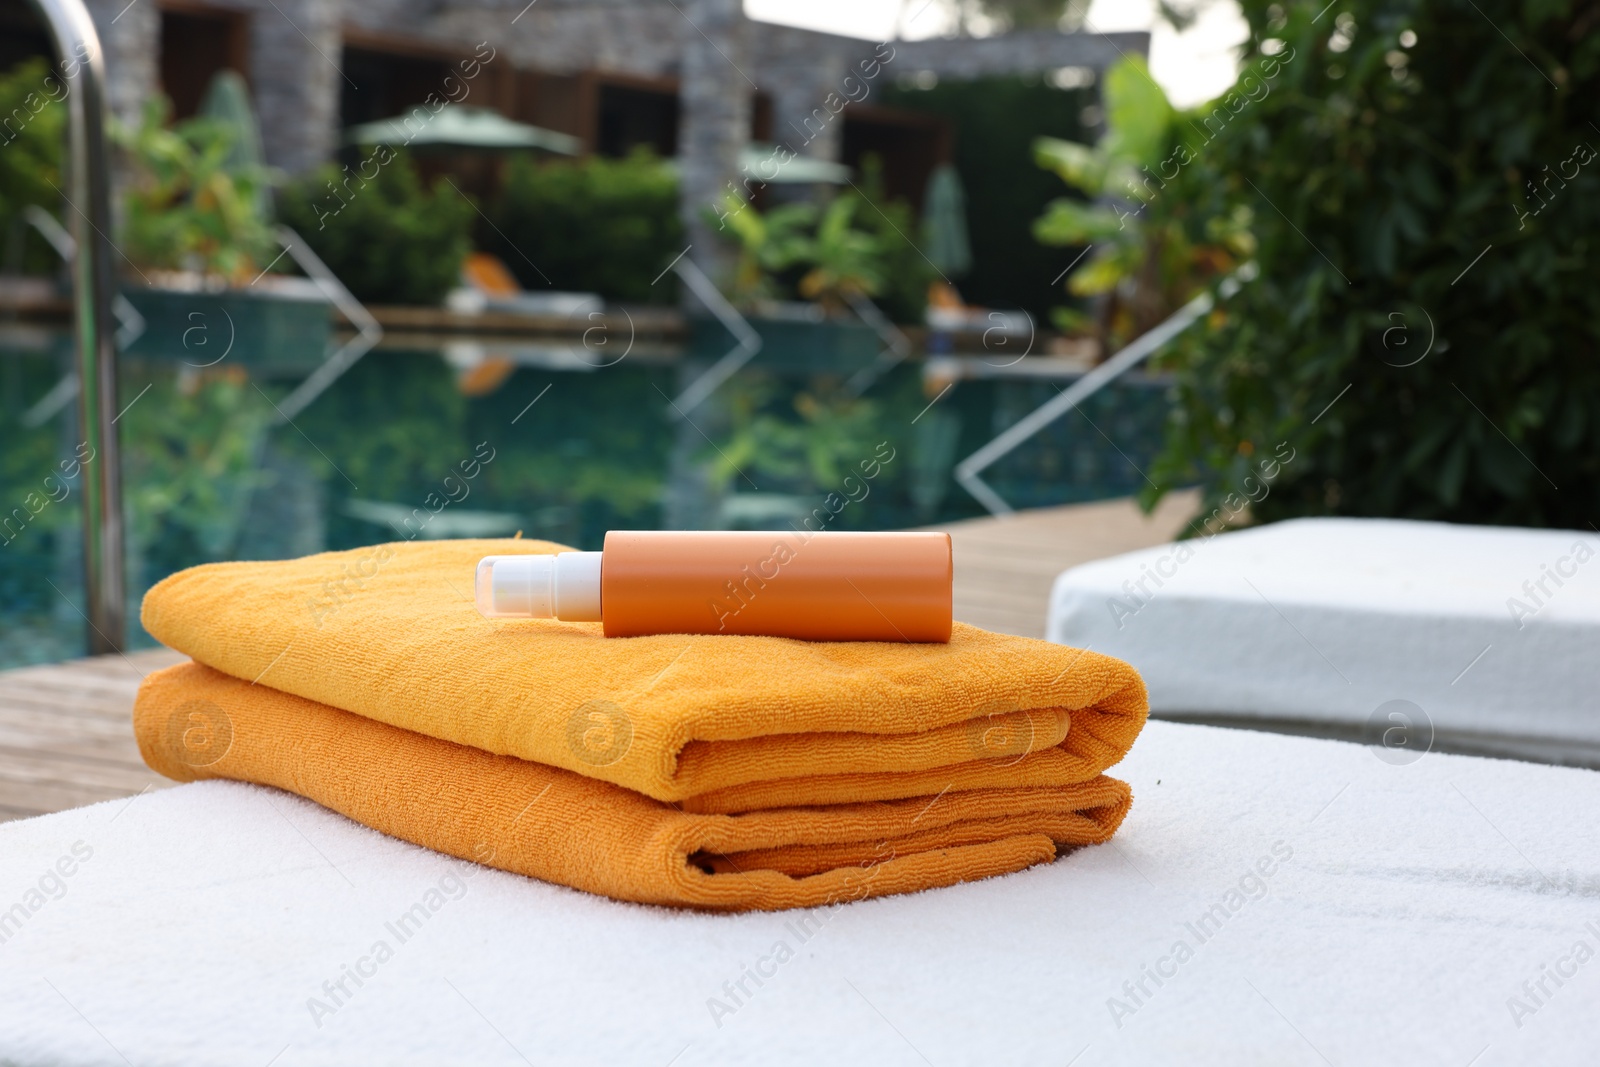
{"type": "Point", "coordinates": [1004, 567]}
{"type": "Point", "coordinates": [65, 738]}
{"type": "Point", "coordinates": [65, 733]}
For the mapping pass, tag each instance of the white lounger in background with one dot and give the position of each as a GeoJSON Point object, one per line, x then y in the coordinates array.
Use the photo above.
{"type": "Point", "coordinates": [1493, 633]}
{"type": "Point", "coordinates": [1270, 900]}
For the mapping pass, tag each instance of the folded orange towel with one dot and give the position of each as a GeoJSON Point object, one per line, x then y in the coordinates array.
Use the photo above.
{"type": "Point", "coordinates": [193, 722]}
{"type": "Point", "coordinates": [722, 723]}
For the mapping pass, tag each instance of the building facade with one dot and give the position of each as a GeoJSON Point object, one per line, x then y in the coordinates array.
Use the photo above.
{"type": "Point", "coordinates": [694, 79]}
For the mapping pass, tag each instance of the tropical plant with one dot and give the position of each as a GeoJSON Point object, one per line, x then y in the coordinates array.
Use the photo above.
{"type": "Point", "coordinates": [1156, 240]}
{"type": "Point", "coordinates": [390, 239]}
{"type": "Point", "coordinates": [1424, 332]}
{"type": "Point", "coordinates": [770, 243]}
{"type": "Point", "coordinates": [191, 204]}
{"type": "Point", "coordinates": [849, 248]}
{"type": "Point", "coordinates": [843, 262]}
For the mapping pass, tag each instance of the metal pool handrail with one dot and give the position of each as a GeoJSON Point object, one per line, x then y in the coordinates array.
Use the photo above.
{"type": "Point", "coordinates": [1136, 352]}
{"type": "Point", "coordinates": [88, 197]}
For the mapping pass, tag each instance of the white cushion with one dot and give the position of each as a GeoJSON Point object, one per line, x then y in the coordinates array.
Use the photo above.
{"type": "Point", "coordinates": [1331, 905]}
{"type": "Point", "coordinates": [1493, 633]}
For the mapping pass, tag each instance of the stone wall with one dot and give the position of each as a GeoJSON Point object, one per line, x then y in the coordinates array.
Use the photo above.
{"type": "Point", "coordinates": [800, 69]}
{"type": "Point", "coordinates": [566, 38]}
{"type": "Point", "coordinates": [1015, 53]}
{"type": "Point", "coordinates": [295, 48]}
{"type": "Point", "coordinates": [294, 52]}
{"type": "Point", "coordinates": [132, 47]}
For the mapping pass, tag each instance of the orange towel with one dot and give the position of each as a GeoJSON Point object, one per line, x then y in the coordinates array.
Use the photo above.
{"type": "Point", "coordinates": [721, 723]}
{"type": "Point", "coordinates": [193, 722]}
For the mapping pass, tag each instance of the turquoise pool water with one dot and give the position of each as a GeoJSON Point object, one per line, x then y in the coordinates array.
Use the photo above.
{"type": "Point", "coordinates": [464, 440]}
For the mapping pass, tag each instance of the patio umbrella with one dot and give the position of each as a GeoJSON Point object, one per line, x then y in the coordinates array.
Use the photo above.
{"type": "Point", "coordinates": [757, 160]}
{"type": "Point", "coordinates": [455, 126]}
{"type": "Point", "coordinates": [944, 222]}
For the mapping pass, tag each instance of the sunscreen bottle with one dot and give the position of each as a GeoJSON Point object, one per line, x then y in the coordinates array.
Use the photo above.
{"type": "Point", "coordinates": [832, 586]}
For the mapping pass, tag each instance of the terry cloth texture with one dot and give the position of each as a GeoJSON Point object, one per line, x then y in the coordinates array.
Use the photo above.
{"type": "Point", "coordinates": [193, 723]}
{"type": "Point", "coordinates": [722, 724]}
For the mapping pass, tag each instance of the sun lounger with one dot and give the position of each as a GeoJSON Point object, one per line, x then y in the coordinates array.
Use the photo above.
{"type": "Point", "coordinates": [1486, 636]}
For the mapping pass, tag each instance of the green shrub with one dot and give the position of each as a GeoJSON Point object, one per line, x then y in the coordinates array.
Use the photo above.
{"type": "Point", "coordinates": [606, 226]}
{"type": "Point", "coordinates": [389, 239]}
{"type": "Point", "coordinates": [33, 117]}
{"type": "Point", "coordinates": [1419, 171]}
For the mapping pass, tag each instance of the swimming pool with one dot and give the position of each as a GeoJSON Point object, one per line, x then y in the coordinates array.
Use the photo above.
{"type": "Point", "coordinates": [461, 438]}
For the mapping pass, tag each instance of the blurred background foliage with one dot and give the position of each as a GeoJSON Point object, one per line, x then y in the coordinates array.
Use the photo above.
{"type": "Point", "coordinates": [607, 226]}
{"type": "Point", "coordinates": [842, 262]}
{"type": "Point", "coordinates": [30, 160]}
{"type": "Point", "coordinates": [1416, 184]}
{"type": "Point", "coordinates": [768, 242]}
{"type": "Point", "coordinates": [1150, 248]}
{"type": "Point", "coordinates": [832, 253]}
{"type": "Point", "coordinates": [1424, 193]}
{"type": "Point", "coordinates": [389, 237]}
{"type": "Point", "coordinates": [854, 244]}
{"type": "Point", "coordinates": [194, 201]}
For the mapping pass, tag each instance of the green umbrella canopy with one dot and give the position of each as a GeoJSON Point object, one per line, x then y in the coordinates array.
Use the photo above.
{"type": "Point", "coordinates": [455, 126]}
{"type": "Point", "coordinates": [757, 161]}
{"type": "Point", "coordinates": [944, 222]}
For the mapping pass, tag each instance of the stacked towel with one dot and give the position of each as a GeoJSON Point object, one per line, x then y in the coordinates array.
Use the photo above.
{"type": "Point", "coordinates": [719, 772]}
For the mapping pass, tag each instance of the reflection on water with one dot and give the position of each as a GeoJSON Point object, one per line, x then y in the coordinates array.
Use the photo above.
{"type": "Point", "coordinates": [459, 442]}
